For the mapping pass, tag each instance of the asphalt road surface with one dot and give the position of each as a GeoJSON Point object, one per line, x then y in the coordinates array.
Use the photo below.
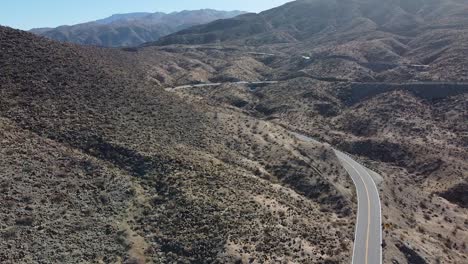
{"type": "Point", "coordinates": [171, 89]}
{"type": "Point", "coordinates": [368, 234]}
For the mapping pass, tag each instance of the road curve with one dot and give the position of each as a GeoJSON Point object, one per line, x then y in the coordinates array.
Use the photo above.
{"type": "Point", "coordinates": [368, 234]}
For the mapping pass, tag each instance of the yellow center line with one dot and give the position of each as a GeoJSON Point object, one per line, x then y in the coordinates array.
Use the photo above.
{"type": "Point", "coordinates": [368, 220]}
{"type": "Point", "coordinates": [368, 211]}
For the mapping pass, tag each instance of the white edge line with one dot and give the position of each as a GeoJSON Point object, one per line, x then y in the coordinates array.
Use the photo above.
{"type": "Point", "coordinates": [380, 213]}
{"type": "Point", "coordinates": [357, 201]}
{"type": "Point", "coordinates": [357, 190]}
{"type": "Point", "coordinates": [378, 196]}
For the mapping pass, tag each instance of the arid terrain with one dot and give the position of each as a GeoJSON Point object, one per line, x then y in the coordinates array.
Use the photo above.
{"type": "Point", "coordinates": [88, 144]}
{"type": "Point", "coordinates": [102, 161]}
{"type": "Point", "coordinates": [417, 144]}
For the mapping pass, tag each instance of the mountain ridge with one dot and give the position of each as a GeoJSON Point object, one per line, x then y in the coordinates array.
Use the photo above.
{"type": "Point", "coordinates": [131, 29]}
{"type": "Point", "coordinates": [303, 19]}
{"type": "Point", "coordinates": [422, 40]}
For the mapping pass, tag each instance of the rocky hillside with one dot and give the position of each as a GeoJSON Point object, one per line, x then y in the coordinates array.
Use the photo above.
{"type": "Point", "coordinates": [99, 164]}
{"type": "Point", "coordinates": [96, 144]}
{"type": "Point", "coordinates": [413, 133]}
{"type": "Point", "coordinates": [416, 137]}
{"type": "Point", "coordinates": [369, 40]}
{"type": "Point", "coordinates": [132, 29]}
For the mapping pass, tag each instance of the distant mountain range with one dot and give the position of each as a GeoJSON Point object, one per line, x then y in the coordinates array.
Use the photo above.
{"type": "Point", "coordinates": [306, 20]}
{"type": "Point", "coordinates": [132, 29]}
{"type": "Point", "coordinates": [369, 40]}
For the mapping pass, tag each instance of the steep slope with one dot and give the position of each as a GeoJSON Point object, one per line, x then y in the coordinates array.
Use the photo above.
{"type": "Point", "coordinates": [132, 29]}
{"type": "Point", "coordinates": [60, 197]}
{"type": "Point", "coordinates": [382, 80]}
{"type": "Point", "coordinates": [414, 135]}
{"type": "Point", "coordinates": [369, 40]}
{"type": "Point", "coordinates": [91, 147]}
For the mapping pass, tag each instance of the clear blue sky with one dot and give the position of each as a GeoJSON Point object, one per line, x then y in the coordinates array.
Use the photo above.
{"type": "Point", "coordinates": [27, 14]}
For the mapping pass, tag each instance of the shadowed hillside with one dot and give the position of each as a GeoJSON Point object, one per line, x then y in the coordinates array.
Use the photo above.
{"type": "Point", "coordinates": [182, 150]}
{"type": "Point", "coordinates": [92, 153]}
{"type": "Point", "coordinates": [414, 135]}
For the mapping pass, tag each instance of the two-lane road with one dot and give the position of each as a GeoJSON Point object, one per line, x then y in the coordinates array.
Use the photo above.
{"type": "Point", "coordinates": [368, 234]}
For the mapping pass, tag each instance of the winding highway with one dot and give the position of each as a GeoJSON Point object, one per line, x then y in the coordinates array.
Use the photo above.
{"type": "Point", "coordinates": [368, 234]}
{"type": "Point", "coordinates": [172, 89]}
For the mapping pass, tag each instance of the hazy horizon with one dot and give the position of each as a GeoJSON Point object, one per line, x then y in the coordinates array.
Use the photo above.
{"type": "Point", "coordinates": [27, 14]}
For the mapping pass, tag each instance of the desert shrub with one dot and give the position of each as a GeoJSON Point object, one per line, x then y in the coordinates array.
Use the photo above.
{"type": "Point", "coordinates": [25, 221]}
{"type": "Point", "coordinates": [9, 233]}
{"type": "Point", "coordinates": [421, 230]}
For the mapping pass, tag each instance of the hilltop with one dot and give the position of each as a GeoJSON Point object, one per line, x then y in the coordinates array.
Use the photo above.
{"type": "Point", "coordinates": [133, 29]}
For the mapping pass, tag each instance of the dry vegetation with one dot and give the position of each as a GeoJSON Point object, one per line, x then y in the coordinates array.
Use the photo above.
{"type": "Point", "coordinates": [417, 140]}
{"type": "Point", "coordinates": [57, 204]}
{"type": "Point", "coordinates": [366, 40]}
{"type": "Point", "coordinates": [94, 154]}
